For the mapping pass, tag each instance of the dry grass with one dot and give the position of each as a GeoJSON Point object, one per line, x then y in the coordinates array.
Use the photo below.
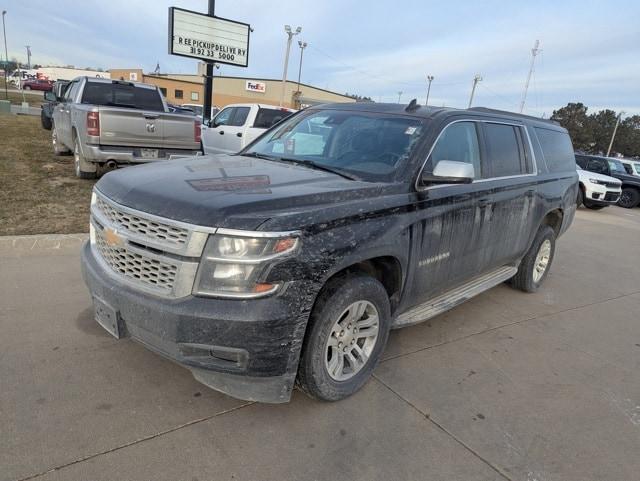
{"type": "Point", "coordinates": [35, 99]}
{"type": "Point", "coordinates": [39, 193]}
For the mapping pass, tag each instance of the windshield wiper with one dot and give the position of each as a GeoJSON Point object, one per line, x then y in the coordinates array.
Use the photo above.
{"type": "Point", "coordinates": [257, 155]}
{"type": "Point", "coordinates": [314, 165]}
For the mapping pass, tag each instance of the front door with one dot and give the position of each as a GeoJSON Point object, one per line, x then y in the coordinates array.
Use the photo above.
{"type": "Point", "coordinates": [452, 229]}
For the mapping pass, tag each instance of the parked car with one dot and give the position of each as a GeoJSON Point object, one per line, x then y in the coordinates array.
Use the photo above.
{"type": "Point", "coordinates": [631, 166]}
{"type": "Point", "coordinates": [291, 261]}
{"type": "Point", "coordinates": [106, 123]}
{"type": "Point", "coordinates": [597, 190]}
{"type": "Point", "coordinates": [198, 109]}
{"type": "Point", "coordinates": [178, 109]}
{"type": "Point", "coordinates": [630, 196]}
{"type": "Point", "coordinates": [237, 125]}
{"type": "Point", "coordinates": [46, 109]}
{"type": "Point", "coordinates": [37, 84]}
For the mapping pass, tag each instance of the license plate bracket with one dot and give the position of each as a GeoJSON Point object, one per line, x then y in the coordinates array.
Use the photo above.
{"type": "Point", "coordinates": [107, 317]}
{"type": "Point", "coordinates": [149, 153]}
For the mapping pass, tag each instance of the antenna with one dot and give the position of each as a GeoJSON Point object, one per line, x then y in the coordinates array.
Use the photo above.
{"type": "Point", "coordinates": [534, 51]}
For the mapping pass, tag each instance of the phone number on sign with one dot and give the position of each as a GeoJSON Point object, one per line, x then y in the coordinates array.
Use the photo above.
{"type": "Point", "coordinates": [212, 54]}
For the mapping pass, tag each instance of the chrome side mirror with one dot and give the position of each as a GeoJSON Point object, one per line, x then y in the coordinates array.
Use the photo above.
{"type": "Point", "coordinates": [450, 172]}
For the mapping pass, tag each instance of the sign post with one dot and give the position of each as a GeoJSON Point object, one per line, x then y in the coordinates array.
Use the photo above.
{"type": "Point", "coordinates": [210, 39]}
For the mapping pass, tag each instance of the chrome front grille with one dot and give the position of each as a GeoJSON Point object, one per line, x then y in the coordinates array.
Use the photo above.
{"type": "Point", "coordinates": [141, 226]}
{"type": "Point", "coordinates": [154, 273]}
{"type": "Point", "coordinates": [152, 253]}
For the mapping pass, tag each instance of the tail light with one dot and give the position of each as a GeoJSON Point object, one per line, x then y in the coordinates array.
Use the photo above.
{"type": "Point", "coordinates": [197, 131]}
{"type": "Point", "coordinates": [93, 123]}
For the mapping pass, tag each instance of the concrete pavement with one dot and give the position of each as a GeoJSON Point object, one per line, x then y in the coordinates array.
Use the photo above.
{"type": "Point", "coordinates": [507, 386]}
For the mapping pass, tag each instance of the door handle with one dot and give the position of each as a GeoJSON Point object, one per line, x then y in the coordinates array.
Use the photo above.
{"type": "Point", "coordinates": [239, 134]}
{"type": "Point", "coordinates": [221, 132]}
{"type": "Point", "coordinates": [151, 116]}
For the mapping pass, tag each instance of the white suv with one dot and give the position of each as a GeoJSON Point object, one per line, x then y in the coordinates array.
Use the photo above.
{"type": "Point", "coordinates": [631, 166]}
{"type": "Point", "coordinates": [597, 190]}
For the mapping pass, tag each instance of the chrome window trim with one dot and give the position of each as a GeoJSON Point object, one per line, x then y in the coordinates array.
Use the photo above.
{"type": "Point", "coordinates": [534, 161]}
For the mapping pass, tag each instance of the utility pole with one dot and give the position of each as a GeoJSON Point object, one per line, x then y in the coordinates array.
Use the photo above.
{"type": "Point", "coordinates": [208, 79]}
{"type": "Point", "coordinates": [28, 47]}
{"type": "Point", "coordinates": [302, 46]}
{"type": "Point", "coordinates": [613, 136]}
{"type": "Point", "coordinates": [290, 35]}
{"type": "Point", "coordinates": [429, 79]}
{"type": "Point", "coordinates": [476, 79]}
{"type": "Point", "coordinates": [399, 95]}
{"type": "Point", "coordinates": [6, 55]}
{"type": "Point", "coordinates": [534, 51]}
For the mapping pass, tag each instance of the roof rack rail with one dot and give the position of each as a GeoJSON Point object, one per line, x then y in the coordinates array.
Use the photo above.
{"type": "Point", "coordinates": [506, 112]}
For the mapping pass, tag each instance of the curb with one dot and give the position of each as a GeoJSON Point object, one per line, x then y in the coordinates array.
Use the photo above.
{"type": "Point", "coordinates": [40, 243]}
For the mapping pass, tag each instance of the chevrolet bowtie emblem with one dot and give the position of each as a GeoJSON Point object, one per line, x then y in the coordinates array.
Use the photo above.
{"type": "Point", "coordinates": [112, 238]}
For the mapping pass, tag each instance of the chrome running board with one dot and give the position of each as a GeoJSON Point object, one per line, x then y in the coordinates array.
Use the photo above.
{"type": "Point", "coordinates": [453, 298]}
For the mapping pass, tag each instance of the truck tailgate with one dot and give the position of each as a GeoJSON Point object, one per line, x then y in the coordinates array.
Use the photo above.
{"type": "Point", "coordinates": [139, 128]}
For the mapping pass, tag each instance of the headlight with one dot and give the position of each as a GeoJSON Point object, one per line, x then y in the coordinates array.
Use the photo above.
{"type": "Point", "coordinates": [596, 181]}
{"type": "Point", "coordinates": [236, 265]}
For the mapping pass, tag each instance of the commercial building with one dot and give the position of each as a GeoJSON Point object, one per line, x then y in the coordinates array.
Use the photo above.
{"type": "Point", "coordinates": [189, 89]}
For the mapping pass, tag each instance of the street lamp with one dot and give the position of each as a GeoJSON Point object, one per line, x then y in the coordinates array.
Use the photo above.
{"type": "Point", "coordinates": [290, 35]}
{"type": "Point", "coordinates": [6, 54]}
{"type": "Point", "coordinates": [302, 46]}
{"type": "Point", "coordinates": [429, 79]}
{"type": "Point", "coordinates": [399, 95]}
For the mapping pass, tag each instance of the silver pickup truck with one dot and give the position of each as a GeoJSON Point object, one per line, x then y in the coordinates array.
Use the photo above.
{"type": "Point", "coordinates": [106, 123]}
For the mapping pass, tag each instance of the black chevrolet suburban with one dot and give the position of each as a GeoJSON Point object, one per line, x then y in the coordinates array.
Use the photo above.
{"type": "Point", "coordinates": [288, 263]}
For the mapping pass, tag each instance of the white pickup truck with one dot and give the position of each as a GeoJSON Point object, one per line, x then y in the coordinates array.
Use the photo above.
{"type": "Point", "coordinates": [237, 125]}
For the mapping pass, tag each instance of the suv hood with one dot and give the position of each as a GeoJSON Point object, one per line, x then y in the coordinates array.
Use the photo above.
{"type": "Point", "coordinates": [231, 191]}
{"type": "Point", "coordinates": [585, 175]}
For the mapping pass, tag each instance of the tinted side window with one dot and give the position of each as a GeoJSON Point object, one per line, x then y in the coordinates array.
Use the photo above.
{"type": "Point", "coordinates": [504, 150]}
{"type": "Point", "coordinates": [268, 117]}
{"type": "Point", "coordinates": [628, 168]}
{"type": "Point", "coordinates": [240, 116]}
{"type": "Point", "coordinates": [598, 166]}
{"type": "Point", "coordinates": [458, 142]}
{"type": "Point", "coordinates": [71, 91]}
{"type": "Point", "coordinates": [582, 161]}
{"type": "Point", "coordinates": [557, 150]}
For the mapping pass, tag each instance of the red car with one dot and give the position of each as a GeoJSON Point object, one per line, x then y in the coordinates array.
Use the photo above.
{"type": "Point", "coordinates": [37, 84]}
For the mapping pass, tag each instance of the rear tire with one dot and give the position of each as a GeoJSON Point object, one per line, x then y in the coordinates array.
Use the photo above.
{"type": "Point", "coordinates": [536, 263]}
{"type": "Point", "coordinates": [629, 198]}
{"type": "Point", "coordinates": [58, 147]}
{"type": "Point", "coordinates": [27, 88]}
{"type": "Point", "coordinates": [45, 121]}
{"type": "Point", "coordinates": [347, 333]}
{"type": "Point", "coordinates": [580, 199]}
{"type": "Point", "coordinates": [83, 169]}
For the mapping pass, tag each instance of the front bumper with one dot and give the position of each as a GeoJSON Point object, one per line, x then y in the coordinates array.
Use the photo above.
{"type": "Point", "coordinates": [601, 195]}
{"type": "Point", "coordinates": [246, 349]}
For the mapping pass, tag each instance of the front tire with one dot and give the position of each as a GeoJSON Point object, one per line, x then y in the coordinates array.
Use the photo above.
{"type": "Point", "coordinates": [347, 333]}
{"type": "Point", "coordinates": [580, 199]}
{"type": "Point", "coordinates": [83, 169]}
{"type": "Point", "coordinates": [536, 263]}
{"type": "Point", "coordinates": [629, 198]}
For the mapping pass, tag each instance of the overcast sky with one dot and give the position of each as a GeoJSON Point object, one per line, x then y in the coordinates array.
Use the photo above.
{"type": "Point", "coordinates": [590, 49]}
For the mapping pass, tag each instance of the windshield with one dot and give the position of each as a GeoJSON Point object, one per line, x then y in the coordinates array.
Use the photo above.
{"type": "Point", "coordinates": [370, 146]}
{"type": "Point", "coordinates": [616, 166]}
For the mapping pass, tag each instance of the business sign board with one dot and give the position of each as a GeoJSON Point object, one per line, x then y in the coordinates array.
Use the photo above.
{"type": "Point", "coordinates": [252, 86]}
{"type": "Point", "coordinates": [212, 39]}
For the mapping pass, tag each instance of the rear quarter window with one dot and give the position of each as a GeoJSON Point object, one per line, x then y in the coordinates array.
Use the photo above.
{"type": "Point", "coordinates": [556, 149]}
{"type": "Point", "coordinates": [265, 118]}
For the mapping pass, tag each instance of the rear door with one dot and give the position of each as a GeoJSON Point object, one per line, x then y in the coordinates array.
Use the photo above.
{"type": "Point", "coordinates": [62, 114]}
{"type": "Point", "coordinates": [511, 188]}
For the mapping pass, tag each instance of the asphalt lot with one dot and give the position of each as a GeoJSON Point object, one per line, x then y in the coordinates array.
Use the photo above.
{"type": "Point", "coordinates": [534, 387]}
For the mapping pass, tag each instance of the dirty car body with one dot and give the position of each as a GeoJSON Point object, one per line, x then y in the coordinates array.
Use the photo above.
{"type": "Point", "coordinates": [155, 232]}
